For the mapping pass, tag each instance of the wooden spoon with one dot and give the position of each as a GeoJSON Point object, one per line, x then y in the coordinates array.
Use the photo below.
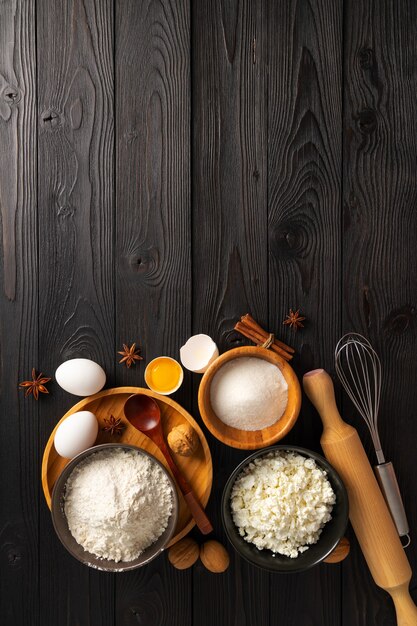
{"type": "Point", "coordinates": [144, 414]}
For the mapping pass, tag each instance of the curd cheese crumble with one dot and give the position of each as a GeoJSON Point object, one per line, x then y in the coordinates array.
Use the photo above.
{"type": "Point", "coordinates": [281, 502]}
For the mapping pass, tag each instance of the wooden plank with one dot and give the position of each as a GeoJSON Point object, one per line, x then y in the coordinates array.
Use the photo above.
{"type": "Point", "coordinates": [229, 235]}
{"type": "Point", "coordinates": [380, 268]}
{"type": "Point", "coordinates": [75, 182]}
{"type": "Point", "coordinates": [19, 458]}
{"type": "Point", "coordinates": [153, 264]}
{"type": "Point", "coordinates": [267, 80]}
{"type": "Point", "coordinates": [304, 225]}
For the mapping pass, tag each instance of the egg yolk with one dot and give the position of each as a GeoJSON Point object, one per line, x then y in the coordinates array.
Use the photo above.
{"type": "Point", "coordinates": [164, 374]}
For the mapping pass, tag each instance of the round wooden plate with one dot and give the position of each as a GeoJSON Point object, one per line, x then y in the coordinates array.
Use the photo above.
{"type": "Point", "coordinates": [197, 469]}
{"type": "Point", "coordinates": [250, 439]}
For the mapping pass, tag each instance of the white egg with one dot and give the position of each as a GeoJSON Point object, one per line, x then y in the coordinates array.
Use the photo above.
{"type": "Point", "coordinates": [198, 353]}
{"type": "Point", "coordinates": [76, 433]}
{"type": "Point", "coordinates": [81, 377]}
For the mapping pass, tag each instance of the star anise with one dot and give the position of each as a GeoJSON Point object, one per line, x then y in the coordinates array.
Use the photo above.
{"type": "Point", "coordinates": [294, 320]}
{"type": "Point", "coordinates": [130, 355]}
{"type": "Point", "coordinates": [114, 425]}
{"type": "Point", "coordinates": [36, 385]}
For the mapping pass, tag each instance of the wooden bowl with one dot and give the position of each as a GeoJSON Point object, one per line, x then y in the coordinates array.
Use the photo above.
{"type": "Point", "coordinates": [250, 439]}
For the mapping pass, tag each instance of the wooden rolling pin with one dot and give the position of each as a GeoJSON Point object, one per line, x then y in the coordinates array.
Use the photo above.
{"type": "Point", "coordinates": [368, 511]}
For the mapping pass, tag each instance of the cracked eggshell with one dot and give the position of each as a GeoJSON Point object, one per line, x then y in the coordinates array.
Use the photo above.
{"type": "Point", "coordinates": [198, 353]}
{"type": "Point", "coordinates": [81, 377]}
{"type": "Point", "coordinates": [76, 433]}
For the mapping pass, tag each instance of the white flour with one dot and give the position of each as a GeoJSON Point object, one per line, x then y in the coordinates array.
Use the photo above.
{"type": "Point", "coordinates": [249, 393]}
{"type": "Point", "coordinates": [117, 503]}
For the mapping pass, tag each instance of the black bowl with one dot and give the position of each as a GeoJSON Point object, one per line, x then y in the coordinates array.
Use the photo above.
{"type": "Point", "coordinates": [330, 536]}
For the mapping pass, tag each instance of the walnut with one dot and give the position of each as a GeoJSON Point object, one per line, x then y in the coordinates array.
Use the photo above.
{"type": "Point", "coordinates": [214, 557]}
{"type": "Point", "coordinates": [184, 554]}
{"type": "Point", "coordinates": [183, 440]}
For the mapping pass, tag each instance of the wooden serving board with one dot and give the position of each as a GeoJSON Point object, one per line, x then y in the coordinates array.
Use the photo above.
{"type": "Point", "coordinates": [197, 469]}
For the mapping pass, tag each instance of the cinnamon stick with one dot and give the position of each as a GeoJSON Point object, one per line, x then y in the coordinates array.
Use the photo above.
{"type": "Point", "coordinates": [248, 320]}
{"type": "Point", "coordinates": [260, 339]}
{"type": "Point", "coordinates": [250, 329]}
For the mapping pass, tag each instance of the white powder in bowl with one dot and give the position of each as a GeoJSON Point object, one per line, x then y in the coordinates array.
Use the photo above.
{"type": "Point", "coordinates": [281, 502]}
{"type": "Point", "coordinates": [249, 393]}
{"type": "Point", "coordinates": [117, 503]}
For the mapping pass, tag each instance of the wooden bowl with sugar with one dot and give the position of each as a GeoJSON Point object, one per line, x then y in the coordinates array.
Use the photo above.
{"type": "Point", "coordinates": [250, 439]}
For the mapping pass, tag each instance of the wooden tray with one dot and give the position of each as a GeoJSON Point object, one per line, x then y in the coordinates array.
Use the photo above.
{"type": "Point", "coordinates": [197, 469]}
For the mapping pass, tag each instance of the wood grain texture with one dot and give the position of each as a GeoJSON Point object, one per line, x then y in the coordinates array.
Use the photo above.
{"type": "Point", "coordinates": [229, 231]}
{"type": "Point", "coordinates": [380, 223]}
{"type": "Point", "coordinates": [19, 437]}
{"type": "Point", "coordinates": [153, 184]}
{"type": "Point", "coordinates": [153, 217]}
{"type": "Point", "coordinates": [304, 228]}
{"type": "Point", "coordinates": [75, 182]}
{"type": "Point", "coordinates": [302, 157]}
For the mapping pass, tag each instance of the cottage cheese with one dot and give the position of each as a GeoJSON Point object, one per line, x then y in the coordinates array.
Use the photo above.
{"type": "Point", "coordinates": [281, 502]}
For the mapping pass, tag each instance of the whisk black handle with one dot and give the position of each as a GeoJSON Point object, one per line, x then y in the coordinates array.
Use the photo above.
{"type": "Point", "coordinates": [387, 480]}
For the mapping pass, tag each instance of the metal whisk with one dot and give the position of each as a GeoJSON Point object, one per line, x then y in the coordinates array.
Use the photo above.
{"type": "Point", "coordinates": [359, 369]}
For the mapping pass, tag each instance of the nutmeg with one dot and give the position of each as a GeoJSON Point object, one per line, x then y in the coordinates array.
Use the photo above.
{"type": "Point", "coordinates": [184, 554]}
{"type": "Point", "coordinates": [214, 556]}
{"type": "Point", "coordinates": [183, 440]}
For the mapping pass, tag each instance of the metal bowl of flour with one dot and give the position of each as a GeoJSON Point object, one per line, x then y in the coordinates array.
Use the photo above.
{"type": "Point", "coordinates": [61, 525]}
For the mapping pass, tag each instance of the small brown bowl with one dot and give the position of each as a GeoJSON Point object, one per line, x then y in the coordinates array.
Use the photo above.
{"type": "Point", "coordinates": [250, 439]}
{"type": "Point", "coordinates": [64, 534]}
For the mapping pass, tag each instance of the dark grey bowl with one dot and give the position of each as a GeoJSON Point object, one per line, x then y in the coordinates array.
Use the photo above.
{"type": "Point", "coordinates": [61, 525]}
{"type": "Point", "coordinates": [330, 536]}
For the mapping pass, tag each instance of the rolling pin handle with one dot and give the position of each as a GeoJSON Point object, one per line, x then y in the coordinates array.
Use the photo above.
{"type": "Point", "coordinates": [405, 608]}
{"type": "Point", "coordinates": [319, 388]}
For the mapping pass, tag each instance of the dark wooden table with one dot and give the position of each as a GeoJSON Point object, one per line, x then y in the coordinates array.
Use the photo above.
{"type": "Point", "coordinates": [165, 167]}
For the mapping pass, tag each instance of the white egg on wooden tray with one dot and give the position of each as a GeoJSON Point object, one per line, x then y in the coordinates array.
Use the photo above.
{"type": "Point", "coordinates": [76, 433]}
{"type": "Point", "coordinates": [81, 377]}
